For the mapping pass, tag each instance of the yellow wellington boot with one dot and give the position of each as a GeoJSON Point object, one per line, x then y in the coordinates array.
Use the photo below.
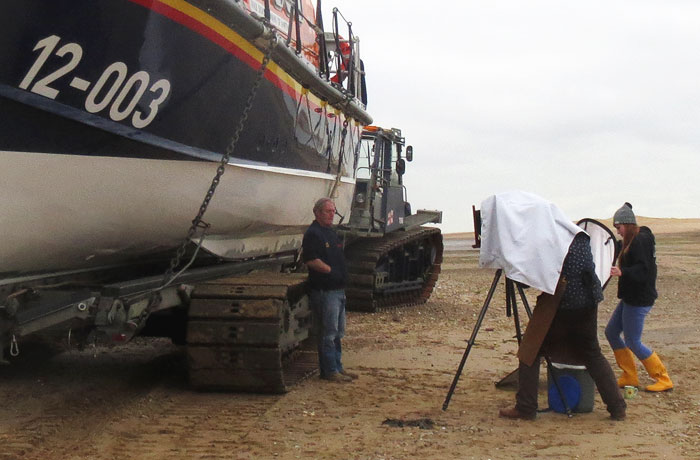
{"type": "Point", "coordinates": [625, 360]}
{"type": "Point", "coordinates": [657, 371]}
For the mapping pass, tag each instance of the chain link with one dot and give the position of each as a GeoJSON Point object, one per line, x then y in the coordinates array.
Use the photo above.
{"type": "Point", "coordinates": [198, 221]}
{"type": "Point", "coordinates": [14, 347]}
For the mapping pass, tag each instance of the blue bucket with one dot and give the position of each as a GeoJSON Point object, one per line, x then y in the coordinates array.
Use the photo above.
{"type": "Point", "coordinates": [571, 390]}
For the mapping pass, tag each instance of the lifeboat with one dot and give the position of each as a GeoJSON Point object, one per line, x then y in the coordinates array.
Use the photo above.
{"type": "Point", "coordinates": [117, 113]}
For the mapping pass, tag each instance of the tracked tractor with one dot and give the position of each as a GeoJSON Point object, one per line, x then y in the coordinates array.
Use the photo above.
{"type": "Point", "coordinates": [393, 260]}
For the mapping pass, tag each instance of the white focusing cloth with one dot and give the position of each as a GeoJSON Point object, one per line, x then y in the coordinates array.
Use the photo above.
{"type": "Point", "coordinates": [526, 236]}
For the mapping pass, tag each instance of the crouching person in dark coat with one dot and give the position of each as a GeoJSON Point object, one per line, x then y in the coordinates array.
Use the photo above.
{"type": "Point", "coordinates": [574, 307]}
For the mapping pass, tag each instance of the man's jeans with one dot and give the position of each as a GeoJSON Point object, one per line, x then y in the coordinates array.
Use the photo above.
{"type": "Point", "coordinates": [329, 326]}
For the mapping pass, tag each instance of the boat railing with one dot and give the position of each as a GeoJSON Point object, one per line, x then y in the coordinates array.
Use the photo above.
{"type": "Point", "coordinates": [333, 57]}
{"type": "Point", "coordinates": [345, 68]}
{"type": "Point", "coordinates": [288, 18]}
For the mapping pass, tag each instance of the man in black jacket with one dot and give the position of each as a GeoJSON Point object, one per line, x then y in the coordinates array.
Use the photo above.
{"type": "Point", "coordinates": [323, 255]}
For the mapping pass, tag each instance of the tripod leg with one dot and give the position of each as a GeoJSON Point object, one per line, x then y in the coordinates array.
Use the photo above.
{"type": "Point", "coordinates": [509, 299]}
{"type": "Point", "coordinates": [550, 368]}
{"type": "Point", "coordinates": [510, 293]}
{"type": "Point", "coordinates": [524, 300]}
{"type": "Point", "coordinates": [561, 394]}
{"type": "Point", "coordinates": [479, 320]}
{"type": "Point", "coordinates": [512, 307]}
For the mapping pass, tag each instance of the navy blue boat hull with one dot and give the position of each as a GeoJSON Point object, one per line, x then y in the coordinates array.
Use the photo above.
{"type": "Point", "coordinates": [136, 90]}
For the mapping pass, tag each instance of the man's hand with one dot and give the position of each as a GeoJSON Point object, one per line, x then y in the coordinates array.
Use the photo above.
{"type": "Point", "coordinates": [615, 271]}
{"type": "Point", "coordinates": [318, 265]}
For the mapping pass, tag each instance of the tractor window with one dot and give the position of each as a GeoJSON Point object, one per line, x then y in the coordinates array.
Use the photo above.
{"type": "Point", "coordinates": [364, 159]}
{"type": "Point", "coordinates": [386, 154]}
{"type": "Point", "coordinates": [395, 155]}
{"type": "Point", "coordinates": [389, 157]}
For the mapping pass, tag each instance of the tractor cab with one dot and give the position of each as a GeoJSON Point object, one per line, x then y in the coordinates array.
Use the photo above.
{"type": "Point", "coordinates": [379, 203]}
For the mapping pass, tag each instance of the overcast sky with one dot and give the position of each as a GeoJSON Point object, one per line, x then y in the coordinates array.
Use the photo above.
{"type": "Point", "coordinates": [586, 103]}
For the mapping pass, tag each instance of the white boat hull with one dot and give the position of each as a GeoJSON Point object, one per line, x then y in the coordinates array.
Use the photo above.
{"type": "Point", "coordinates": [71, 211]}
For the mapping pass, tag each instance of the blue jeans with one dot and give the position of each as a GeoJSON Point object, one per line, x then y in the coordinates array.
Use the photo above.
{"type": "Point", "coordinates": [629, 320]}
{"type": "Point", "coordinates": [329, 326]}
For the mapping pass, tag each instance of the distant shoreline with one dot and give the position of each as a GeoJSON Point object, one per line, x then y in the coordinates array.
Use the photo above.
{"type": "Point", "coordinates": [459, 236]}
{"type": "Point", "coordinates": [657, 224]}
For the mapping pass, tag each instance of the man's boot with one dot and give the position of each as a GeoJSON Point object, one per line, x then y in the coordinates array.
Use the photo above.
{"type": "Point", "coordinates": [625, 361]}
{"type": "Point", "coordinates": [514, 413]}
{"type": "Point", "coordinates": [657, 371]}
{"type": "Point", "coordinates": [337, 377]}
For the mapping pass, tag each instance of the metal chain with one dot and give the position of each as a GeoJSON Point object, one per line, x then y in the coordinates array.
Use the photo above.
{"type": "Point", "coordinates": [341, 159]}
{"type": "Point", "coordinates": [331, 140]}
{"type": "Point", "coordinates": [341, 153]}
{"type": "Point", "coordinates": [198, 222]}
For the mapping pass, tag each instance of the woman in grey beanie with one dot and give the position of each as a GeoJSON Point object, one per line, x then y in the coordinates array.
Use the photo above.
{"type": "Point", "coordinates": [636, 290]}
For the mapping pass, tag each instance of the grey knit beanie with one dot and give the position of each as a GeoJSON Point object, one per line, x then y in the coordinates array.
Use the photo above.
{"type": "Point", "coordinates": [624, 215]}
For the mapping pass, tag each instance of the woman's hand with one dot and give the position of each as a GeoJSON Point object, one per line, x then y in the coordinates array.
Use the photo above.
{"type": "Point", "coordinates": [615, 271]}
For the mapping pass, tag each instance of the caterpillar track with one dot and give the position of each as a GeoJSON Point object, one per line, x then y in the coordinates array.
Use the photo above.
{"type": "Point", "coordinates": [250, 333]}
{"type": "Point", "coordinates": [397, 270]}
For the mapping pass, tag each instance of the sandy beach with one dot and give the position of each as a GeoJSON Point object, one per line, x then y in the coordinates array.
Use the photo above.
{"type": "Point", "coordinates": [134, 402]}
